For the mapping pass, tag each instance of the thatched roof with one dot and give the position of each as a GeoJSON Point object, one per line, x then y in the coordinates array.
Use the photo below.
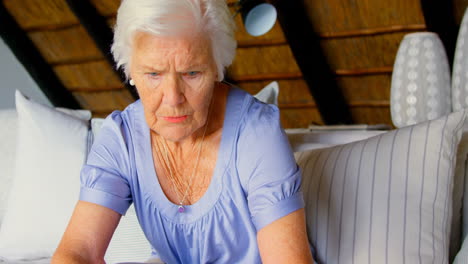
{"type": "Point", "coordinates": [355, 41]}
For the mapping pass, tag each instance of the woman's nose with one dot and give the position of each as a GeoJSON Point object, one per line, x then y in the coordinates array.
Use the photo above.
{"type": "Point", "coordinates": [173, 91]}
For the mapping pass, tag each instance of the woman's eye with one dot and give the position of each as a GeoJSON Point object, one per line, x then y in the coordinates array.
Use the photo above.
{"type": "Point", "coordinates": [152, 74]}
{"type": "Point", "coordinates": [192, 74]}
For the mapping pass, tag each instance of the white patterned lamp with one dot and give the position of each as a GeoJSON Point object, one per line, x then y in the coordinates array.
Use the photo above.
{"type": "Point", "coordinates": [460, 68]}
{"type": "Point", "coordinates": [420, 88]}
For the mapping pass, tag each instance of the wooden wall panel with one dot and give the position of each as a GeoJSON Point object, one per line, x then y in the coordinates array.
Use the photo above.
{"type": "Point", "coordinates": [93, 76]}
{"type": "Point", "coordinates": [105, 102]}
{"type": "Point", "coordinates": [300, 118]}
{"type": "Point", "coordinates": [65, 45]}
{"type": "Point", "coordinates": [291, 92]}
{"type": "Point", "coordinates": [294, 92]}
{"type": "Point", "coordinates": [370, 87]}
{"type": "Point", "coordinates": [371, 115]}
{"type": "Point", "coordinates": [37, 14]}
{"type": "Point", "coordinates": [362, 52]}
{"type": "Point", "coordinates": [345, 15]}
{"type": "Point", "coordinates": [360, 40]}
{"type": "Point", "coordinates": [263, 60]}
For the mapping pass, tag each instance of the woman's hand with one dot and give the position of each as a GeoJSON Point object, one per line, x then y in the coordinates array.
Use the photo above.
{"type": "Point", "coordinates": [88, 234]}
{"type": "Point", "coordinates": [285, 240]}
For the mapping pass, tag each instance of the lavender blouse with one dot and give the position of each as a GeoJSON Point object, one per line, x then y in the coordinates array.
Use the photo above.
{"type": "Point", "coordinates": [255, 182]}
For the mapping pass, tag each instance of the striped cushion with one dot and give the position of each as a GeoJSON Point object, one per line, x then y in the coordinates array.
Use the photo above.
{"type": "Point", "coordinates": [386, 199]}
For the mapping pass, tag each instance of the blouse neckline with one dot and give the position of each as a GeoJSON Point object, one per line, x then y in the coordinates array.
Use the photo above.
{"type": "Point", "coordinates": [153, 191]}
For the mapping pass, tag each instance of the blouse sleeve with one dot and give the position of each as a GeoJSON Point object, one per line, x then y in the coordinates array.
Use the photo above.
{"type": "Point", "coordinates": [266, 165]}
{"type": "Point", "coordinates": [104, 176]}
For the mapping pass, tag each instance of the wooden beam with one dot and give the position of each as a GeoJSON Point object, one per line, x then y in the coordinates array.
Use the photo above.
{"type": "Point", "coordinates": [51, 27]}
{"type": "Point", "coordinates": [355, 104]}
{"type": "Point", "coordinates": [374, 31]}
{"type": "Point", "coordinates": [297, 106]}
{"type": "Point", "coordinates": [371, 103]}
{"type": "Point", "coordinates": [266, 77]}
{"type": "Point", "coordinates": [99, 89]}
{"type": "Point", "coordinates": [360, 72]}
{"type": "Point", "coordinates": [76, 61]}
{"type": "Point", "coordinates": [298, 75]}
{"type": "Point", "coordinates": [97, 28]}
{"type": "Point", "coordinates": [261, 43]}
{"type": "Point", "coordinates": [306, 48]}
{"type": "Point", "coordinates": [41, 72]}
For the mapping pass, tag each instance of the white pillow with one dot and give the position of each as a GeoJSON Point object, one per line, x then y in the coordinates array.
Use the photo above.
{"type": "Point", "coordinates": [269, 93]}
{"type": "Point", "coordinates": [460, 201]}
{"type": "Point", "coordinates": [7, 155]}
{"type": "Point", "coordinates": [304, 139]}
{"type": "Point", "coordinates": [8, 131]}
{"type": "Point", "coordinates": [51, 148]}
{"type": "Point", "coordinates": [386, 199]}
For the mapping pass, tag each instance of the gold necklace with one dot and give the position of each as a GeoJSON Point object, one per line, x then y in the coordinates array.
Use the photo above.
{"type": "Point", "coordinates": [181, 207]}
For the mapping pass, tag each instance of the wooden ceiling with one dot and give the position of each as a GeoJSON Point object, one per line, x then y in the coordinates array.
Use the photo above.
{"type": "Point", "coordinates": [357, 40]}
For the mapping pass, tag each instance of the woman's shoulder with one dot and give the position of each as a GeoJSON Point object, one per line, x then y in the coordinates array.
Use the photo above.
{"type": "Point", "coordinates": [260, 115]}
{"type": "Point", "coordinates": [120, 126]}
{"type": "Point", "coordinates": [127, 117]}
{"type": "Point", "coordinates": [255, 121]}
{"type": "Point", "coordinates": [251, 109]}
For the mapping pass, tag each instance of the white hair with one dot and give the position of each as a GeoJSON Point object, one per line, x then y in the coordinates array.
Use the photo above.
{"type": "Point", "coordinates": [172, 17]}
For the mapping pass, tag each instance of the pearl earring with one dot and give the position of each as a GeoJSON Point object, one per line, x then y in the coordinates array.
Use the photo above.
{"type": "Point", "coordinates": [132, 82]}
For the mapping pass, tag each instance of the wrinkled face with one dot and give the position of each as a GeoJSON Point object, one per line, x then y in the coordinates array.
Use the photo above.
{"type": "Point", "coordinates": [175, 78]}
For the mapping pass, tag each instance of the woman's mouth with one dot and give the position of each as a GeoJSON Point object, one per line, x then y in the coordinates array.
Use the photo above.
{"type": "Point", "coordinates": [175, 119]}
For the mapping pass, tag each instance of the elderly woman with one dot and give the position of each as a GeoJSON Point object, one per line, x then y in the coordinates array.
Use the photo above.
{"type": "Point", "coordinates": [207, 167]}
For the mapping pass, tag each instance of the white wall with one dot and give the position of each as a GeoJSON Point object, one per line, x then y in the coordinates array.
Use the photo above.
{"type": "Point", "coordinates": [13, 76]}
